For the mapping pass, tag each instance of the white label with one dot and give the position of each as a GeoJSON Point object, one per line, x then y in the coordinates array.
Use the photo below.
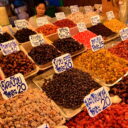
{"type": "Point", "coordinates": [81, 26]}
{"type": "Point", "coordinates": [44, 126]}
{"type": "Point", "coordinates": [36, 40]}
{"type": "Point", "coordinates": [13, 86]}
{"type": "Point", "coordinates": [97, 101]}
{"type": "Point", "coordinates": [110, 15]}
{"type": "Point", "coordinates": [1, 31]}
{"type": "Point", "coordinates": [20, 24]}
{"type": "Point", "coordinates": [97, 43]}
{"type": "Point", "coordinates": [60, 15]}
{"type": "Point", "coordinates": [95, 20]}
{"type": "Point", "coordinates": [63, 32]}
{"type": "Point", "coordinates": [62, 63]}
{"type": "Point", "coordinates": [9, 47]}
{"type": "Point", "coordinates": [88, 9]}
{"type": "Point", "coordinates": [42, 21]}
{"type": "Point", "coordinates": [124, 34]}
{"type": "Point", "coordinates": [74, 8]}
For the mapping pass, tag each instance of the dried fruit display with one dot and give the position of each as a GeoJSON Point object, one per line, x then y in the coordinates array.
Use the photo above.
{"type": "Point", "coordinates": [5, 37]}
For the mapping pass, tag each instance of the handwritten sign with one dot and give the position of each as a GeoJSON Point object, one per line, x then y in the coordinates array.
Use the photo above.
{"type": "Point", "coordinates": [63, 32]}
{"type": "Point", "coordinates": [42, 21]}
{"type": "Point", "coordinates": [97, 43]}
{"type": "Point", "coordinates": [124, 34]}
{"type": "Point", "coordinates": [110, 15]}
{"type": "Point", "coordinates": [9, 47]}
{"type": "Point", "coordinates": [81, 26]}
{"type": "Point", "coordinates": [74, 8]}
{"type": "Point", "coordinates": [36, 40]}
{"type": "Point", "coordinates": [95, 20]}
{"type": "Point", "coordinates": [97, 101]}
{"type": "Point", "coordinates": [62, 63]}
{"type": "Point", "coordinates": [88, 9]}
{"type": "Point", "coordinates": [44, 126]}
{"type": "Point", "coordinates": [1, 31]}
{"type": "Point", "coordinates": [60, 15]}
{"type": "Point", "coordinates": [13, 86]}
{"type": "Point", "coordinates": [20, 24]}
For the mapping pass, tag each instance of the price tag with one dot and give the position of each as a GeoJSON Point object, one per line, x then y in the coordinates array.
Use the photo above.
{"type": "Point", "coordinates": [1, 31]}
{"type": "Point", "coordinates": [62, 63]}
{"type": "Point", "coordinates": [36, 40]}
{"type": "Point", "coordinates": [74, 8]}
{"type": "Point", "coordinates": [13, 86]}
{"type": "Point", "coordinates": [88, 9]}
{"type": "Point", "coordinates": [20, 24]}
{"type": "Point", "coordinates": [124, 34]}
{"type": "Point", "coordinates": [82, 27]}
{"type": "Point", "coordinates": [95, 20]}
{"type": "Point", "coordinates": [63, 32]}
{"type": "Point", "coordinates": [97, 43]}
{"type": "Point", "coordinates": [110, 15]}
{"type": "Point", "coordinates": [42, 21]}
{"type": "Point", "coordinates": [9, 47]}
{"type": "Point", "coordinates": [60, 15]}
{"type": "Point", "coordinates": [44, 126]}
{"type": "Point", "coordinates": [97, 101]}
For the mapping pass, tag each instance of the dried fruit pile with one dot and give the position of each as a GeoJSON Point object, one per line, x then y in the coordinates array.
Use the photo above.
{"type": "Point", "coordinates": [5, 37]}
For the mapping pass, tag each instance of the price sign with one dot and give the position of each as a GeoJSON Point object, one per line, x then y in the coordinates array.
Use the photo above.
{"type": "Point", "coordinates": [97, 43]}
{"type": "Point", "coordinates": [20, 24]}
{"type": "Point", "coordinates": [36, 40]}
{"type": "Point", "coordinates": [95, 20]}
{"type": "Point", "coordinates": [124, 34]}
{"type": "Point", "coordinates": [97, 101]}
{"type": "Point", "coordinates": [60, 15]}
{"type": "Point", "coordinates": [13, 86]}
{"type": "Point", "coordinates": [9, 47]}
{"type": "Point", "coordinates": [110, 15]}
{"type": "Point", "coordinates": [63, 32]}
{"type": "Point", "coordinates": [74, 8]}
{"type": "Point", "coordinates": [88, 9]}
{"type": "Point", "coordinates": [81, 26]}
{"type": "Point", "coordinates": [42, 21]}
{"type": "Point", "coordinates": [1, 31]}
{"type": "Point", "coordinates": [62, 63]}
{"type": "Point", "coordinates": [44, 126]}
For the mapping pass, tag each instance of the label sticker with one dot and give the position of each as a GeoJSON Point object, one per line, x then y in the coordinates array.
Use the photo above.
{"type": "Point", "coordinates": [63, 32]}
{"type": "Point", "coordinates": [9, 47]}
{"type": "Point", "coordinates": [97, 43]}
{"type": "Point", "coordinates": [81, 26]}
{"type": "Point", "coordinates": [42, 21]}
{"type": "Point", "coordinates": [13, 86]}
{"type": "Point", "coordinates": [20, 24]}
{"type": "Point", "coordinates": [1, 31]}
{"type": "Point", "coordinates": [36, 40]}
{"type": "Point", "coordinates": [60, 15]}
{"type": "Point", "coordinates": [44, 126]}
{"type": "Point", "coordinates": [110, 15]}
{"type": "Point", "coordinates": [95, 20]}
{"type": "Point", "coordinates": [124, 34]}
{"type": "Point", "coordinates": [74, 8]}
{"type": "Point", "coordinates": [88, 9]}
{"type": "Point", "coordinates": [62, 63]}
{"type": "Point", "coordinates": [97, 101]}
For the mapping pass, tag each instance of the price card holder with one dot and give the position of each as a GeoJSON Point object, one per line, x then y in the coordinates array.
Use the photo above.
{"type": "Point", "coordinates": [44, 126]}
{"type": "Point", "coordinates": [9, 47]}
{"type": "Point", "coordinates": [110, 15]}
{"type": "Point", "coordinates": [74, 8]}
{"type": "Point", "coordinates": [97, 43]}
{"type": "Point", "coordinates": [95, 20]}
{"type": "Point", "coordinates": [1, 31]}
{"type": "Point", "coordinates": [20, 24]}
{"type": "Point", "coordinates": [88, 9]}
{"type": "Point", "coordinates": [63, 32]}
{"type": "Point", "coordinates": [62, 63]}
{"type": "Point", "coordinates": [97, 101]}
{"type": "Point", "coordinates": [124, 34]}
{"type": "Point", "coordinates": [81, 27]}
{"type": "Point", "coordinates": [60, 15]}
{"type": "Point", "coordinates": [13, 86]}
{"type": "Point", "coordinates": [42, 21]}
{"type": "Point", "coordinates": [36, 40]}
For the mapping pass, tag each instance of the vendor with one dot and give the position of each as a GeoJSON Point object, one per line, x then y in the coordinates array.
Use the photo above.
{"type": "Point", "coordinates": [40, 12]}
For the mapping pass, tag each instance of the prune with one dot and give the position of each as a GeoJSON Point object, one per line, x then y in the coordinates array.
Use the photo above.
{"type": "Point", "coordinates": [5, 37]}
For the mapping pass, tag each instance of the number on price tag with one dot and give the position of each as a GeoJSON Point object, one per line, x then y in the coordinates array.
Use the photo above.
{"type": "Point", "coordinates": [9, 47]}
{"type": "Point", "coordinates": [124, 34]}
{"type": "Point", "coordinates": [60, 15]}
{"type": "Point", "coordinates": [97, 101]}
{"type": "Point", "coordinates": [20, 24]}
{"type": "Point", "coordinates": [44, 126]}
{"type": "Point", "coordinates": [36, 40]}
{"type": "Point", "coordinates": [13, 86]}
{"type": "Point", "coordinates": [81, 26]}
{"type": "Point", "coordinates": [97, 43]}
{"type": "Point", "coordinates": [62, 63]}
{"type": "Point", "coordinates": [1, 31]}
{"type": "Point", "coordinates": [74, 8]}
{"type": "Point", "coordinates": [42, 21]}
{"type": "Point", "coordinates": [110, 15]}
{"type": "Point", "coordinates": [95, 20]}
{"type": "Point", "coordinates": [63, 32]}
{"type": "Point", "coordinates": [88, 9]}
